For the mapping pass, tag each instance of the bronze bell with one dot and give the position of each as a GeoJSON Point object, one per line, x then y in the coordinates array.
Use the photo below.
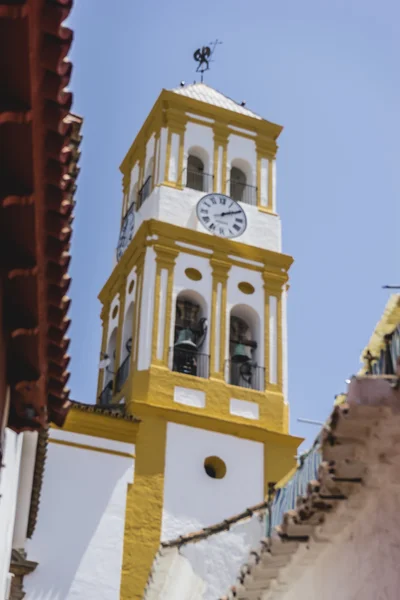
{"type": "Point", "coordinates": [185, 340]}
{"type": "Point", "coordinates": [241, 353]}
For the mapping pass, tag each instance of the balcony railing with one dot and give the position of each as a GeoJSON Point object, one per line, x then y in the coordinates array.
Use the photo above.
{"type": "Point", "coordinates": [385, 363]}
{"type": "Point", "coordinates": [144, 192]}
{"type": "Point", "coordinates": [197, 180]}
{"type": "Point", "coordinates": [190, 362]}
{"type": "Point", "coordinates": [106, 395]}
{"type": "Point", "coordinates": [122, 373]}
{"type": "Point", "coordinates": [246, 375]}
{"type": "Point", "coordinates": [241, 192]}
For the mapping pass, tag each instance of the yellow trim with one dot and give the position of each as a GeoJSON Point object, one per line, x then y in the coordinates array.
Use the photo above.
{"type": "Point", "coordinates": [216, 166]}
{"type": "Point", "coordinates": [199, 122]}
{"type": "Point", "coordinates": [386, 324]}
{"type": "Point", "coordinates": [180, 158]}
{"type": "Point", "coordinates": [279, 344]}
{"type": "Point", "coordinates": [144, 509]}
{"type": "Point", "coordinates": [258, 180]}
{"type": "Point", "coordinates": [266, 210]}
{"type": "Point", "coordinates": [102, 426]}
{"type": "Point", "coordinates": [270, 185]}
{"type": "Point", "coordinates": [94, 448]}
{"type": "Point", "coordinates": [138, 310]}
{"type": "Point", "coordinates": [168, 155]}
{"type": "Point", "coordinates": [267, 351]}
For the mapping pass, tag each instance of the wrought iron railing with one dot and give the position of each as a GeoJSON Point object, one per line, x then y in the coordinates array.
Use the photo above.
{"type": "Point", "coordinates": [385, 363]}
{"type": "Point", "coordinates": [246, 374]}
{"type": "Point", "coordinates": [197, 180]}
{"type": "Point", "coordinates": [190, 362]}
{"type": "Point", "coordinates": [122, 374]}
{"type": "Point", "coordinates": [106, 395]}
{"type": "Point", "coordinates": [241, 192]}
{"type": "Point", "coordinates": [144, 192]}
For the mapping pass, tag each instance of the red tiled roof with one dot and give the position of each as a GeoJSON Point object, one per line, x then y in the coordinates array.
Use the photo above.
{"type": "Point", "coordinates": [38, 156]}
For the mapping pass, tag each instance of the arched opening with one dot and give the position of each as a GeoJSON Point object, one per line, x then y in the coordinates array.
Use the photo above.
{"type": "Point", "coordinates": [126, 349]}
{"type": "Point", "coordinates": [147, 185]}
{"type": "Point", "coordinates": [133, 195]}
{"type": "Point", "coordinates": [241, 189]}
{"type": "Point", "coordinates": [244, 332]}
{"type": "Point", "coordinates": [189, 335]}
{"type": "Point", "coordinates": [197, 177]}
{"type": "Point", "coordinates": [109, 369]}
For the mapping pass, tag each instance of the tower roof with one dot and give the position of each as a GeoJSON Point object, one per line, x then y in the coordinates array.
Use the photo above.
{"type": "Point", "coordinates": [207, 94]}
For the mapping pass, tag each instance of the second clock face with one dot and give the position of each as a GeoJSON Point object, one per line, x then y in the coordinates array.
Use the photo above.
{"type": "Point", "coordinates": [221, 215]}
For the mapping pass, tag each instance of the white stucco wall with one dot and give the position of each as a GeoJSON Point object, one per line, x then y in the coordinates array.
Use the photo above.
{"type": "Point", "coordinates": [8, 501]}
{"type": "Point", "coordinates": [201, 138]}
{"type": "Point", "coordinates": [78, 540]}
{"type": "Point", "coordinates": [192, 499]}
{"type": "Point", "coordinates": [204, 570]}
{"type": "Point", "coordinates": [179, 208]}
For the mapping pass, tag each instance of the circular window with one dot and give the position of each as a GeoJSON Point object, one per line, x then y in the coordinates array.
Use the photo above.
{"type": "Point", "coordinates": [215, 467]}
{"type": "Point", "coordinates": [131, 285]}
{"type": "Point", "coordinates": [193, 274]}
{"type": "Point", "coordinates": [246, 288]}
{"type": "Point", "coordinates": [114, 312]}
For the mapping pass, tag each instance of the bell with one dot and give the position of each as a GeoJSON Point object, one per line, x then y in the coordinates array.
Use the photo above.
{"type": "Point", "coordinates": [185, 340]}
{"type": "Point", "coordinates": [241, 353]}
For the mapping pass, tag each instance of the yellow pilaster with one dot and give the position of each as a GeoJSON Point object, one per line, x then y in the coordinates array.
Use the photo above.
{"type": "Point", "coordinates": [144, 508]}
{"type": "Point", "coordinates": [266, 329]}
{"type": "Point", "coordinates": [165, 259]}
{"type": "Point", "coordinates": [104, 315]}
{"type": "Point", "coordinates": [220, 272]}
{"type": "Point", "coordinates": [270, 184]}
{"type": "Point", "coordinates": [221, 133]}
{"type": "Point", "coordinates": [176, 122]}
{"type": "Point", "coordinates": [279, 341]}
{"type": "Point", "coordinates": [278, 460]}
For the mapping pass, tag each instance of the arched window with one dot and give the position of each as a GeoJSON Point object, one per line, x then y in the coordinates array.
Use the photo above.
{"type": "Point", "coordinates": [195, 173]}
{"type": "Point", "coordinates": [241, 189]}
{"type": "Point", "coordinates": [238, 184]}
{"type": "Point", "coordinates": [133, 195]}
{"type": "Point", "coordinates": [146, 188]}
{"type": "Point", "coordinates": [244, 328]}
{"type": "Point", "coordinates": [126, 349]}
{"type": "Point", "coordinates": [189, 335]}
{"type": "Point", "coordinates": [109, 369]}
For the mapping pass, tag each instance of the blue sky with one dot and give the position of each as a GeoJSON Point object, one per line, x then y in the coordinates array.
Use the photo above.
{"type": "Point", "coordinates": [329, 73]}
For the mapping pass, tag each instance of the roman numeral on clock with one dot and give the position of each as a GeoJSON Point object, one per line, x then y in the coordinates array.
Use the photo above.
{"type": "Point", "coordinates": [236, 227]}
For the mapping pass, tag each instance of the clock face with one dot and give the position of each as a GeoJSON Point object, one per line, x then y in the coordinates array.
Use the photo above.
{"type": "Point", "coordinates": [126, 232]}
{"type": "Point", "coordinates": [221, 215]}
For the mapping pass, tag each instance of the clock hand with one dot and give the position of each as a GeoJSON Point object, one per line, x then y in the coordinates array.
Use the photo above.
{"type": "Point", "coordinates": [232, 212]}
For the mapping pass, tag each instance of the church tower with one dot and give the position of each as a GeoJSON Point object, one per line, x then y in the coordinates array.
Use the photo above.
{"type": "Point", "coordinates": [194, 338]}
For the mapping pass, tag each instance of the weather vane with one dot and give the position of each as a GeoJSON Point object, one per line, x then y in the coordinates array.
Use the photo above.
{"type": "Point", "coordinates": [203, 57]}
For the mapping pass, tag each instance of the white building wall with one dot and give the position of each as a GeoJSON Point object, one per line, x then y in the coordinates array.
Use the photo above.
{"type": "Point", "coordinates": [173, 168]}
{"type": "Point", "coordinates": [8, 501]}
{"type": "Point", "coordinates": [146, 310]}
{"type": "Point", "coordinates": [78, 540]}
{"type": "Point", "coordinates": [192, 499]}
{"type": "Point", "coordinates": [264, 183]}
{"type": "Point", "coordinates": [28, 459]}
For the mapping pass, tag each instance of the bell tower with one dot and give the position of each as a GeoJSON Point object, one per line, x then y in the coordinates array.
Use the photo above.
{"type": "Point", "coordinates": [194, 320]}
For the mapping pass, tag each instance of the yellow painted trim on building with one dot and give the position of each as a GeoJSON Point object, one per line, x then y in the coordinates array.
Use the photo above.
{"type": "Point", "coordinates": [93, 448]}
{"type": "Point", "coordinates": [266, 210]}
{"type": "Point", "coordinates": [267, 350]}
{"type": "Point", "coordinates": [258, 180]}
{"type": "Point", "coordinates": [224, 175]}
{"type": "Point", "coordinates": [168, 155]}
{"type": "Point", "coordinates": [144, 508]}
{"type": "Point", "coordinates": [279, 344]}
{"type": "Point", "coordinates": [386, 324]}
{"type": "Point", "coordinates": [199, 122]}
{"type": "Point", "coordinates": [180, 157]}
{"type": "Point", "coordinates": [101, 426]}
{"type": "Point", "coordinates": [270, 185]}
{"type": "Point", "coordinates": [137, 315]}
{"type": "Point", "coordinates": [216, 166]}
